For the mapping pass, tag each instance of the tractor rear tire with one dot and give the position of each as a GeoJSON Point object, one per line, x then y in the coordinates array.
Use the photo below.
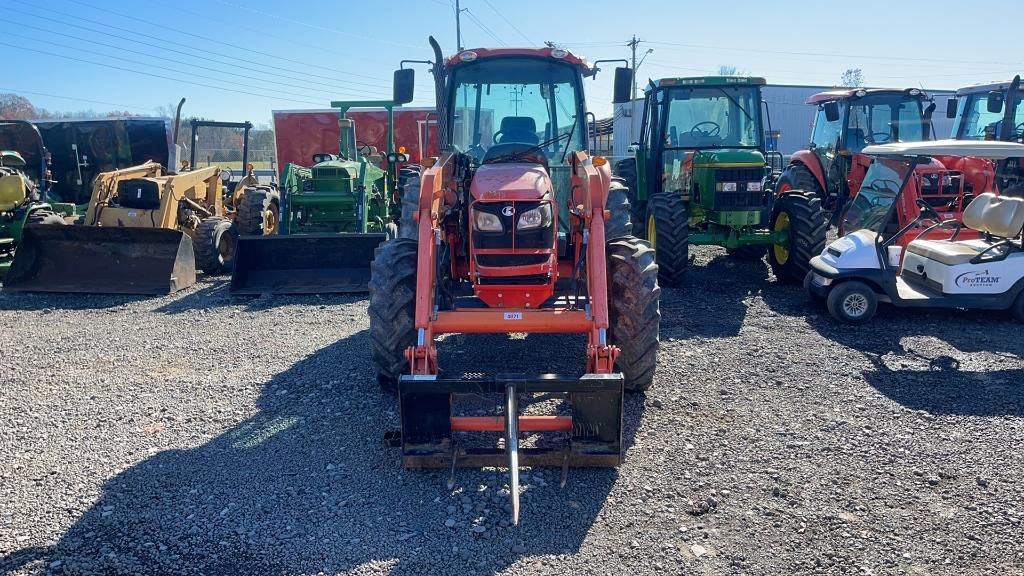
{"type": "Point", "coordinates": [801, 214]}
{"type": "Point", "coordinates": [634, 314]}
{"type": "Point", "coordinates": [45, 218]}
{"type": "Point", "coordinates": [392, 310]}
{"type": "Point", "coordinates": [668, 231]}
{"type": "Point", "coordinates": [407, 226]}
{"type": "Point", "coordinates": [619, 224]}
{"type": "Point", "coordinates": [259, 212]}
{"type": "Point", "coordinates": [214, 245]}
{"type": "Point", "coordinates": [625, 170]}
{"type": "Point", "coordinates": [799, 177]}
{"type": "Point", "coordinates": [752, 252]}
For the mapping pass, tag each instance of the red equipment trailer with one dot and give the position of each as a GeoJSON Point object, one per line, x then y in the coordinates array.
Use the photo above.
{"type": "Point", "coordinates": [299, 134]}
{"type": "Point", "coordinates": [517, 230]}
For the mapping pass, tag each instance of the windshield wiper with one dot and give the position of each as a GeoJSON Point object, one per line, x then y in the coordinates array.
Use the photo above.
{"type": "Point", "coordinates": [737, 103]}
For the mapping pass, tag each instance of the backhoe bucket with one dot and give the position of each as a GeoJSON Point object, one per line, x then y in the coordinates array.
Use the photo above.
{"type": "Point", "coordinates": [304, 264]}
{"type": "Point", "coordinates": [102, 260]}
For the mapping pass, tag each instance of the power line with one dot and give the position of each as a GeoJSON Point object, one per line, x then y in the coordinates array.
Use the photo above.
{"type": "Point", "coordinates": [484, 27]}
{"type": "Point", "coordinates": [20, 91]}
{"type": "Point", "coordinates": [507, 21]}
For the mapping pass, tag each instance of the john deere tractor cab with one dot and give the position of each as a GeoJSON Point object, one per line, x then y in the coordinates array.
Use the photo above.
{"type": "Point", "coordinates": [24, 187]}
{"type": "Point", "coordinates": [992, 112]}
{"type": "Point", "coordinates": [334, 214]}
{"type": "Point", "coordinates": [700, 176]}
{"type": "Point", "coordinates": [846, 122]}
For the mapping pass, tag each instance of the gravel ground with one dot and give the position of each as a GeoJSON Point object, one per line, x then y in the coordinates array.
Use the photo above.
{"type": "Point", "coordinates": [199, 435]}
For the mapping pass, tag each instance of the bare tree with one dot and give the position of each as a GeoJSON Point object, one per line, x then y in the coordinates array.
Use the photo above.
{"type": "Point", "coordinates": [853, 78]}
{"type": "Point", "coordinates": [15, 107]}
{"type": "Point", "coordinates": [725, 70]}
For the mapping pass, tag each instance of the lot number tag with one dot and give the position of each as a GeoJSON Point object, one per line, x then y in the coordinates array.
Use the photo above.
{"type": "Point", "coordinates": [513, 315]}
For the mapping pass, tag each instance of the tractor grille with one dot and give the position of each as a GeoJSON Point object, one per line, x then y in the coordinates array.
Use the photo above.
{"type": "Point", "coordinates": [739, 174]}
{"type": "Point", "coordinates": [741, 199]}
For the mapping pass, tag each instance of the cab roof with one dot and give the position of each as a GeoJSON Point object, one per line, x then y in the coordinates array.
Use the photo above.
{"type": "Point", "coordinates": [851, 93]}
{"type": "Point", "coordinates": [705, 81]}
{"type": "Point", "coordinates": [987, 87]}
{"type": "Point", "coordinates": [992, 150]}
{"type": "Point", "coordinates": [473, 54]}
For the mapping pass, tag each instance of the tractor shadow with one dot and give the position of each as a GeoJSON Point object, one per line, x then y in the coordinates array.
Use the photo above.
{"type": "Point", "coordinates": [44, 301]}
{"type": "Point", "coordinates": [213, 292]}
{"type": "Point", "coordinates": [927, 359]}
{"type": "Point", "coordinates": [711, 301]}
{"type": "Point", "coordinates": [305, 486]}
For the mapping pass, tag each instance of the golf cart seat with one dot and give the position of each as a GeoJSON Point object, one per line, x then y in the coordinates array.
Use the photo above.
{"type": "Point", "coordinates": [997, 217]}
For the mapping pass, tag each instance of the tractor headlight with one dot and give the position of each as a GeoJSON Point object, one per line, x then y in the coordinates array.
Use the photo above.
{"type": "Point", "coordinates": [539, 217]}
{"type": "Point", "coordinates": [753, 186]}
{"type": "Point", "coordinates": [725, 187]}
{"type": "Point", "coordinates": [486, 222]}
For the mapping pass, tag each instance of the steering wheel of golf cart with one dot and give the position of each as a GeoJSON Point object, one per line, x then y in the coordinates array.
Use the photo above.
{"type": "Point", "coordinates": [928, 210]}
{"type": "Point", "coordinates": [885, 137]}
{"type": "Point", "coordinates": [699, 132]}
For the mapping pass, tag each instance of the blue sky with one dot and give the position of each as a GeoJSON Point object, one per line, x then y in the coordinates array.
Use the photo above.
{"type": "Point", "coordinates": [239, 59]}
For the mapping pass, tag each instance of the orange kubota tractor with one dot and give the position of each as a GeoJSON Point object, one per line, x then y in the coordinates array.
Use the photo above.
{"type": "Point", "coordinates": [515, 228]}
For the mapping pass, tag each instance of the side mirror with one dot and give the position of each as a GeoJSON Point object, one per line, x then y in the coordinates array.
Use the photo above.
{"type": "Point", "coordinates": [831, 111]}
{"type": "Point", "coordinates": [995, 102]}
{"type": "Point", "coordinates": [951, 105]}
{"type": "Point", "coordinates": [623, 91]}
{"type": "Point", "coordinates": [405, 80]}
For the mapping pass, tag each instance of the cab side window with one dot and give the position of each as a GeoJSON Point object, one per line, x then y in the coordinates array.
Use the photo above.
{"type": "Point", "coordinates": [825, 134]}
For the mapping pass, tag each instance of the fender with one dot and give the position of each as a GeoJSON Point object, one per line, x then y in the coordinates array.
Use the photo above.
{"type": "Point", "coordinates": [810, 160]}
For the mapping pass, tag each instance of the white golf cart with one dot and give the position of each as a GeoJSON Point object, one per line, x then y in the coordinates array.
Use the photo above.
{"type": "Point", "coordinates": [863, 268]}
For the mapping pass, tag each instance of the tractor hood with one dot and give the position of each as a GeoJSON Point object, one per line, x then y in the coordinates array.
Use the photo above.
{"type": "Point", "coordinates": [512, 181]}
{"type": "Point", "coordinates": [728, 156]}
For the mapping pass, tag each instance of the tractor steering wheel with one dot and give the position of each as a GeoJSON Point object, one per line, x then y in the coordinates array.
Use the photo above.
{"type": "Point", "coordinates": [1018, 129]}
{"type": "Point", "coordinates": [927, 210]}
{"type": "Point", "coordinates": [698, 132]}
{"type": "Point", "coordinates": [363, 148]}
{"type": "Point", "coordinates": [885, 137]}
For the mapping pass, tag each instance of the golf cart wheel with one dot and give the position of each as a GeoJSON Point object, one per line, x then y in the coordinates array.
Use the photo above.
{"type": "Point", "coordinates": [798, 177]}
{"type": "Point", "coordinates": [45, 218]}
{"type": "Point", "coordinates": [619, 225]}
{"type": "Point", "coordinates": [852, 302]}
{"type": "Point", "coordinates": [668, 231]}
{"type": "Point", "coordinates": [752, 252]}
{"type": "Point", "coordinates": [808, 278]}
{"type": "Point", "coordinates": [410, 205]}
{"type": "Point", "coordinates": [259, 212]}
{"type": "Point", "coordinates": [634, 315]}
{"type": "Point", "coordinates": [392, 310]}
{"type": "Point", "coordinates": [625, 170]}
{"type": "Point", "coordinates": [801, 215]}
{"type": "Point", "coordinates": [215, 241]}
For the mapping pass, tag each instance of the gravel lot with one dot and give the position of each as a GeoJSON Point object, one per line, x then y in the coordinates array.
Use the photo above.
{"type": "Point", "coordinates": [199, 435]}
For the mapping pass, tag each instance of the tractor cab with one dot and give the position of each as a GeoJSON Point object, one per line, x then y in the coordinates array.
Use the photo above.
{"type": "Point", "coordinates": [975, 261]}
{"type": "Point", "coordinates": [992, 112]}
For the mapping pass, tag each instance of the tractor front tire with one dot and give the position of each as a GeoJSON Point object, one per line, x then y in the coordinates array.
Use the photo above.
{"type": "Point", "coordinates": [407, 227]}
{"type": "Point", "coordinates": [800, 213]}
{"type": "Point", "coordinates": [259, 212]}
{"type": "Point", "coordinates": [852, 302]}
{"type": "Point", "coordinates": [214, 245]}
{"type": "Point", "coordinates": [619, 225]}
{"type": "Point", "coordinates": [392, 310]}
{"type": "Point", "coordinates": [634, 314]}
{"type": "Point", "coordinates": [625, 170]}
{"type": "Point", "coordinates": [668, 231]}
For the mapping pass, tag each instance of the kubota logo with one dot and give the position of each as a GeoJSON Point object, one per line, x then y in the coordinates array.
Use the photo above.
{"type": "Point", "coordinates": [977, 279]}
{"type": "Point", "coordinates": [508, 210]}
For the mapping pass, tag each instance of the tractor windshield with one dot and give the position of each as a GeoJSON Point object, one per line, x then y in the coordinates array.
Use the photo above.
{"type": "Point", "coordinates": [975, 122]}
{"type": "Point", "coordinates": [881, 118]}
{"type": "Point", "coordinates": [870, 208]}
{"type": "Point", "coordinates": [713, 117]}
{"type": "Point", "coordinates": [21, 138]}
{"type": "Point", "coordinates": [517, 100]}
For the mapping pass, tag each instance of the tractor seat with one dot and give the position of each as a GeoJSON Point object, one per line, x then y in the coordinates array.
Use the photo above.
{"type": "Point", "coordinates": [517, 129]}
{"type": "Point", "coordinates": [995, 216]}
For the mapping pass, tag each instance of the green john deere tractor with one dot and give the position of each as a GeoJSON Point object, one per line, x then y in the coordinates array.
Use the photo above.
{"type": "Point", "coordinates": [24, 188]}
{"type": "Point", "coordinates": [700, 175]}
{"type": "Point", "coordinates": [334, 214]}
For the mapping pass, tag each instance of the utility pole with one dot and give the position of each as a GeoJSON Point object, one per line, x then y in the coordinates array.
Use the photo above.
{"type": "Point", "coordinates": [632, 129]}
{"type": "Point", "coordinates": [458, 26]}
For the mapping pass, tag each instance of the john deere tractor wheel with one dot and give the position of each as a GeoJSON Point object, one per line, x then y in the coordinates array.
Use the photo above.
{"type": "Point", "coordinates": [392, 310]}
{"type": "Point", "coordinates": [214, 244]}
{"type": "Point", "coordinates": [752, 252]}
{"type": "Point", "coordinates": [799, 214]}
{"type": "Point", "coordinates": [626, 171]}
{"type": "Point", "coordinates": [46, 218]}
{"type": "Point", "coordinates": [410, 204]}
{"type": "Point", "coordinates": [259, 212]}
{"type": "Point", "coordinates": [634, 315]}
{"type": "Point", "coordinates": [619, 224]}
{"type": "Point", "coordinates": [668, 231]}
{"type": "Point", "coordinates": [799, 177]}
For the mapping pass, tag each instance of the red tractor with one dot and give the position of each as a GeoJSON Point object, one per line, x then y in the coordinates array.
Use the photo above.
{"type": "Point", "coordinates": [847, 121]}
{"type": "Point", "coordinates": [516, 229]}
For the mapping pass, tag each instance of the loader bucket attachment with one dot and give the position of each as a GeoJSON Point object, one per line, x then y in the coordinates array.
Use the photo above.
{"type": "Point", "coordinates": [303, 264]}
{"type": "Point", "coordinates": [102, 260]}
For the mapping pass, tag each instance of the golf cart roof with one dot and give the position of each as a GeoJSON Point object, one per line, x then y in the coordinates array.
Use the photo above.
{"type": "Point", "coordinates": [851, 93]}
{"type": "Point", "coordinates": [706, 81]}
{"type": "Point", "coordinates": [991, 150]}
{"type": "Point", "coordinates": [987, 87]}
